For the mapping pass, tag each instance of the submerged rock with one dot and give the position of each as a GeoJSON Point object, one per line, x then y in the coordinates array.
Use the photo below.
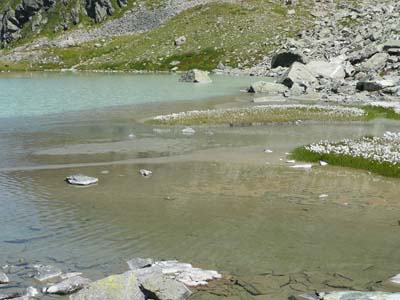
{"type": "Point", "coordinates": [114, 287]}
{"type": "Point", "coordinates": [67, 286]}
{"type": "Point", "coordinates": [80, 179]}
{"type": "Point", "coordinates": [4, 278]}
{"type": "Point", "coordinates": [196, 76]}
{"type": "Point", "coordinates": [354, 295]}
{"type": "Point", "coordinates": [139, 263]}
{"type": "Point", "coordinates": [46, 272]}
{"type": "Point", "coordinates": [188, 131]}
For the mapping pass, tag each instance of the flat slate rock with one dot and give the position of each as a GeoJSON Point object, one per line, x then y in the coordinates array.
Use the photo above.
{"type": "Point", "coordinates": [80, 179]}
{"type": "Point", "coordinates": [350, 295]}
{"type": "Point", "coordinates": [115, 287]}
{"type": "Point", "coordinates": [46, 272]}
{"type": "Point", "coordinates": [67, 286]}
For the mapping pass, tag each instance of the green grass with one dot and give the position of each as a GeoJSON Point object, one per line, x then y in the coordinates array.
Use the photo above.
{"type": "Point", "coordinates": [382, 168]}
{"type": "Point", "coordinates": [381, 112]}
{"type": "Point", "coordinates": [238, 35]}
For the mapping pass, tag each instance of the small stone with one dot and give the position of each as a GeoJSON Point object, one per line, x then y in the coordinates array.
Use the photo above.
{"type": "Point", "coordinates": [322, 196]}
{"type": "Point", "coordinates": [268, 151]}
{"type": "Point", "coordinates": [145, 173]}
{"type": "Point", "coordinates": [188, 131]}
{"type": "Point", "coordinates": [67, 286]}
{"type": "Point", "coordinates": [305, 166]}
{"type": "Point", "coordinates": [323, 163]}
{"type": "Point", "coordinates": [180, 41]}
{"type": "Point", "coordinates": [80, 179]}
{"type": "Point", "coordinates": [291, 161]}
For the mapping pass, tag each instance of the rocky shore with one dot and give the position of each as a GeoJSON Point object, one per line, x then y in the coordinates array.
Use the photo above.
{"type": "Point", "coordinates": [350, 55]}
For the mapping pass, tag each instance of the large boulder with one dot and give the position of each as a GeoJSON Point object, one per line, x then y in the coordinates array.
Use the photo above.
{"type": "Point", "coordinates": [115, 287]}
{"type": "Point", "coordinates": [298, 74]}
{"type": "Point", "coordinates": [375, 63]}
{"type": "Point", "coordinates": [196, 76]}
{"type": "Point", "coordinates": [286, 59]}
{"type": "Point", "coordinates": [269, 88]}
{"type": "Point", "coordinates": [374, 85]}
{"type": "Point", "coordinates": [325, 69]}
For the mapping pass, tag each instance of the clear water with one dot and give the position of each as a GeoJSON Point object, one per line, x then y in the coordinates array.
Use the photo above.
{"type": "Point", "coordinates": [34, 94]}
{"type": "Point", "coordinates": [215, 199]}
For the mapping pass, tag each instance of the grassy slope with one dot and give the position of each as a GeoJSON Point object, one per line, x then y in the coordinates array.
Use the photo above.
{"type": "Point", "coordinates": [237, 35]}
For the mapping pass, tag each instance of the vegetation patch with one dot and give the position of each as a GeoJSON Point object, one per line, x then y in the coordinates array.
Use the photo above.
{"type": "Point", "coordinates": [380, 155]}
{"type": "Point", "coordinates": [380, 109]}
{"type": "Point", "coordinates": [263, 114]}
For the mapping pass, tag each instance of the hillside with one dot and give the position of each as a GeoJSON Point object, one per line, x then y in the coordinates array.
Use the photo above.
{"type": "Point", "coordinates": [142, 35]}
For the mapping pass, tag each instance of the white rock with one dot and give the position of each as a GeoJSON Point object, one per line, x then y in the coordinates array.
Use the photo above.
{"type": "Point", "coordinates": [322, 196]}
{"type": "Point", "coordinates": [4, 278]}
{"type": "Point", "coordinates": [32, 292]}
{"type": "Point", "coordinates": [395, 279]}
{"type": "Point", "coordinates": [80, 179]}
{"type": "Point", "coordinates": [305, 166]}
{"type": "Point", "coordinates": [323, 163]}
{"type": "Point", "coordinates": [188, 131]}
{"type": "Point", "coordinates": [268, 151]}
{"type": "Point", "coordinates": [145, 173]}
{"type": "Point", "coordinates": [291, 161]}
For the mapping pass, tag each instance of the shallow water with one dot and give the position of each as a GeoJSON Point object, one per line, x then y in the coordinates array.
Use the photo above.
{"type": "Point", "coordinates": [215, 198]}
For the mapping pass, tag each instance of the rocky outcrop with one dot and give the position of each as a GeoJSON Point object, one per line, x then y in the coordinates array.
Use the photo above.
{"type": "Point", "coordinates": [298, 74]}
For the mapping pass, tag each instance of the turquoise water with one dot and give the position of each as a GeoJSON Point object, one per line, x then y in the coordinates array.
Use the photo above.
{"type": "Point", "coordinates": [37, 94]}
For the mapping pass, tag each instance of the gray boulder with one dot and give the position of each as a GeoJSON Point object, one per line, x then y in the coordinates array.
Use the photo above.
{"type": "Point", "coordinates": [159, 286]}
{"type": "Point", "coordinates": [67, 286]}
{"type": "Point", "coordinates": [375, 63]}
{"type": "Point", "coordinates": [267, 88]}
{"type": "Point", "coordinates": [393, 44]}
{"type": "Point", "coordinates": [374, 85]}
{"type": "Point", "coordinates": [298, 73]}
{"type": "Point", "coordinates": [115, 287]}
{"type": "Point", "coordinates": [326, 69]}
{"type": "Point", "coordinates": [196, 76]}
{"type": "Point", "coordinates": [286, 59]}
{"type": "Point", "coordinates": [4, 278]}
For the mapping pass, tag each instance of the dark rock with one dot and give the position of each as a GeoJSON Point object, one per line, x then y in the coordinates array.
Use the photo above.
{"type": "Point", "coordinates": [286, 59]}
